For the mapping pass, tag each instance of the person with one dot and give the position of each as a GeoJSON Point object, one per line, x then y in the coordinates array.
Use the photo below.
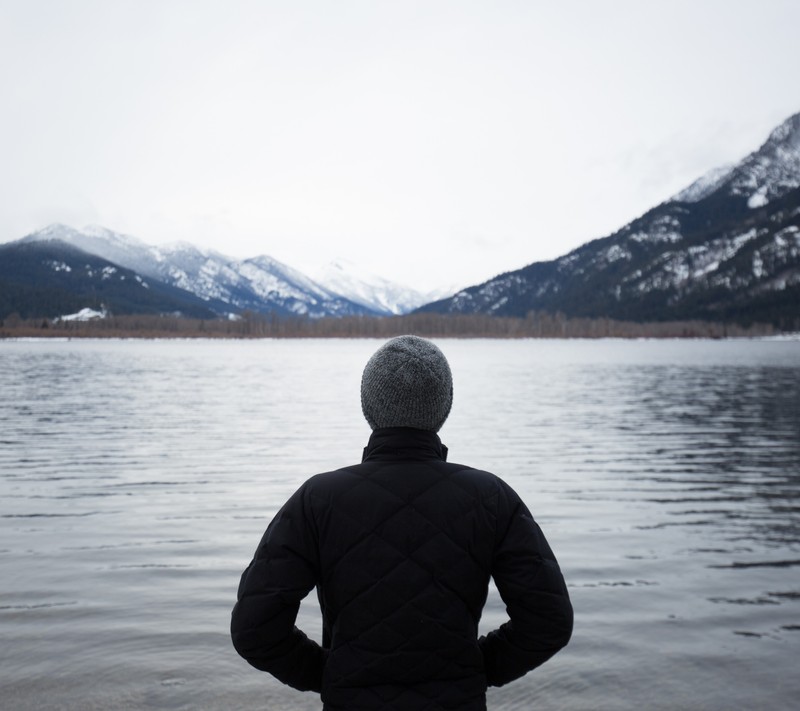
{"type": "Point", "coordinates": [401, 548]}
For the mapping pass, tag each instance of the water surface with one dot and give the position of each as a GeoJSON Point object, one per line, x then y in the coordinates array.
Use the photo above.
{"type": "Point", "coordinates": [136, 478]}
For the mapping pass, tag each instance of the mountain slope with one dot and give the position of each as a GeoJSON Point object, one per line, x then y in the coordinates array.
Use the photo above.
{"type": "Point", "coordinates": [260, 284]}
{"type": "Point", "coordinates": [725, 248]}
{"type": "Point", "coordinates": [53, 278]}
{"type": "Point", "coordinates": [369, 290]}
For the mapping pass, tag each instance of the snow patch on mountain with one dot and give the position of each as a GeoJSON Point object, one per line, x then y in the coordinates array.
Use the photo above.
{"type": "Point", "coordinates": [346, 279]}
{"type": "Point", "coordinates": [704, 186]}
{"type": "Point", "coordinates": [664, 228]}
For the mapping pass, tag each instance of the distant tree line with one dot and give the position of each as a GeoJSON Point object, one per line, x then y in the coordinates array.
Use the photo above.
{"type": "Point", "coordinates": [252, 325]}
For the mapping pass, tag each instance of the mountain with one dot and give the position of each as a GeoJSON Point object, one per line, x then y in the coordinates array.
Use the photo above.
{"type": "Point", "coordinates": [227, 285]}
{"type": "Point", "coordinates": [260, 284]}
{"type": "Point", "coordinates": [370, 290]}
{"type": "Point", "coordinates": [53, 278]}
{"type": "Point", "coordinates": [725, 248]}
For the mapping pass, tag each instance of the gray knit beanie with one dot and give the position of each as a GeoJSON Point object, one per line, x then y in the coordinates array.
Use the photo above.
{"type": "Point", "coordinates": [407, 383]}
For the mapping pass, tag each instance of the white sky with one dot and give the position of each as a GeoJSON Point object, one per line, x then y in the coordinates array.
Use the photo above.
{"type": "Point", "coordinates": [431, 142]}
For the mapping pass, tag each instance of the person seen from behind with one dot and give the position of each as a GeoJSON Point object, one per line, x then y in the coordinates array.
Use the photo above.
{"type": "Point", "coordinates": [401, 548]}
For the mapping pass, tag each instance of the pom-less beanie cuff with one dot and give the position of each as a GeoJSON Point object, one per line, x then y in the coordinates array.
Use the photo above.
{"type": "Point", "coordinates": [407, 383]}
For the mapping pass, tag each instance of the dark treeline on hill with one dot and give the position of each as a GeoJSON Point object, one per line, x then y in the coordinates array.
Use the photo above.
{"type": "Point", "coordinates": [48, 279]}
{"type": "Point", "coordinates": [534, 325]}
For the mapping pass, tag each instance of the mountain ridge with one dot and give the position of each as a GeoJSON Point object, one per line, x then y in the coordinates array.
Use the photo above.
{"type": "Point", "coordinates": [725, 247]}
{"type": "Point", "coordinates": [53, 278]}
{"type": "Point", "coordinates": [261, 284]}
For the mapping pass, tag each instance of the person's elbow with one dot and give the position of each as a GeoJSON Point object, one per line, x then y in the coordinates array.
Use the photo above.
{"type": "Point", "coordinates": [545, 629]}
{"type": "Point", "coordinates": [565, 624]}
{"type": "Point", "coordinates": [255, 637]}
{"type": "Point", "coordinates": [561, 622]}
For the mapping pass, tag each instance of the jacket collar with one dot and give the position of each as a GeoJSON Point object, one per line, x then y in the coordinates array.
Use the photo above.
{"type": "Point", "coordinates": [398, 443]}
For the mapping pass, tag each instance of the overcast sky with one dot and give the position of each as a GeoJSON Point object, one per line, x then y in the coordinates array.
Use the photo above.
{"type": "Point", "coordinates": [431, 142]}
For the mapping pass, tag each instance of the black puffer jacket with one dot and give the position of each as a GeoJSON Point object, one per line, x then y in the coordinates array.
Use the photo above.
{"type": "Point", "coordinates": [401, 548]}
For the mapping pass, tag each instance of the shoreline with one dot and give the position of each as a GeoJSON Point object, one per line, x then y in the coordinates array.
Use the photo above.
{"type": "Point", "coordinates": [535, 325]}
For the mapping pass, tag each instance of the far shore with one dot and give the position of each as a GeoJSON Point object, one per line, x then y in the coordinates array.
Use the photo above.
{"type": "Point", "coordinates": [250, 326]}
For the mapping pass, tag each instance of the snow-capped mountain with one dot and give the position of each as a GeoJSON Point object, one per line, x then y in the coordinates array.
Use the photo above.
{"type": "Point", "coordinates": [725, 248]}
{"type": "Point", "coordinates": [768, 173]}
{"type": "Point", "coordinates": [705, 185]}
{"type": "Point", "coordinates": [261, 284]}
{"type": "Point", "coordinates": [51, 277]}
{"type": "Point", "coordinates": [370, 290]}
{"type": "Point", "coordinates": [274, 282]}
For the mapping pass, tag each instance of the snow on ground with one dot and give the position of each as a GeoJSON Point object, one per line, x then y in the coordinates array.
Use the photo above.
{"type": "Point", "coordinates": [86, 314]}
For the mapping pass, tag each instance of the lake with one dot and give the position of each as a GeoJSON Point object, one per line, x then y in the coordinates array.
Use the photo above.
{"type": "Point", "coordinates": [136, 478]}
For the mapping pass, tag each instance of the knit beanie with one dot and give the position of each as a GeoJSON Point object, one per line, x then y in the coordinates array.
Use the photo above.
{"type": "Point", "coordinates": [407, 383]}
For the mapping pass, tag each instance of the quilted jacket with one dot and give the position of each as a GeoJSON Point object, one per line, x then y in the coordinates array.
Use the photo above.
{"type": "Point", "coordinates": [400, 549]}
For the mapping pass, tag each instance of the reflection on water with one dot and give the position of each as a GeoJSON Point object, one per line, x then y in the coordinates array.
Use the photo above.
{"type": "Point", "coordinates": [136, 479]}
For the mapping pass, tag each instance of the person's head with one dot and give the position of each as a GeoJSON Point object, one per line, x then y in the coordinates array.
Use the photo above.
{"type": "Point", "coordinates": [407, 383]}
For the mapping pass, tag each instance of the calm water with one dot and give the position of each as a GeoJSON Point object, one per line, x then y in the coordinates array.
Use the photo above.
{"type": "Point", "coordinates": [137, 477]}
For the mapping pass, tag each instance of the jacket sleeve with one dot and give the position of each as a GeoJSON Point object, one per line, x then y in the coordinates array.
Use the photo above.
{"type": "Point", "coordinates": [281, 574]}
{"type": "Point", "coordinates": [531, 585]}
